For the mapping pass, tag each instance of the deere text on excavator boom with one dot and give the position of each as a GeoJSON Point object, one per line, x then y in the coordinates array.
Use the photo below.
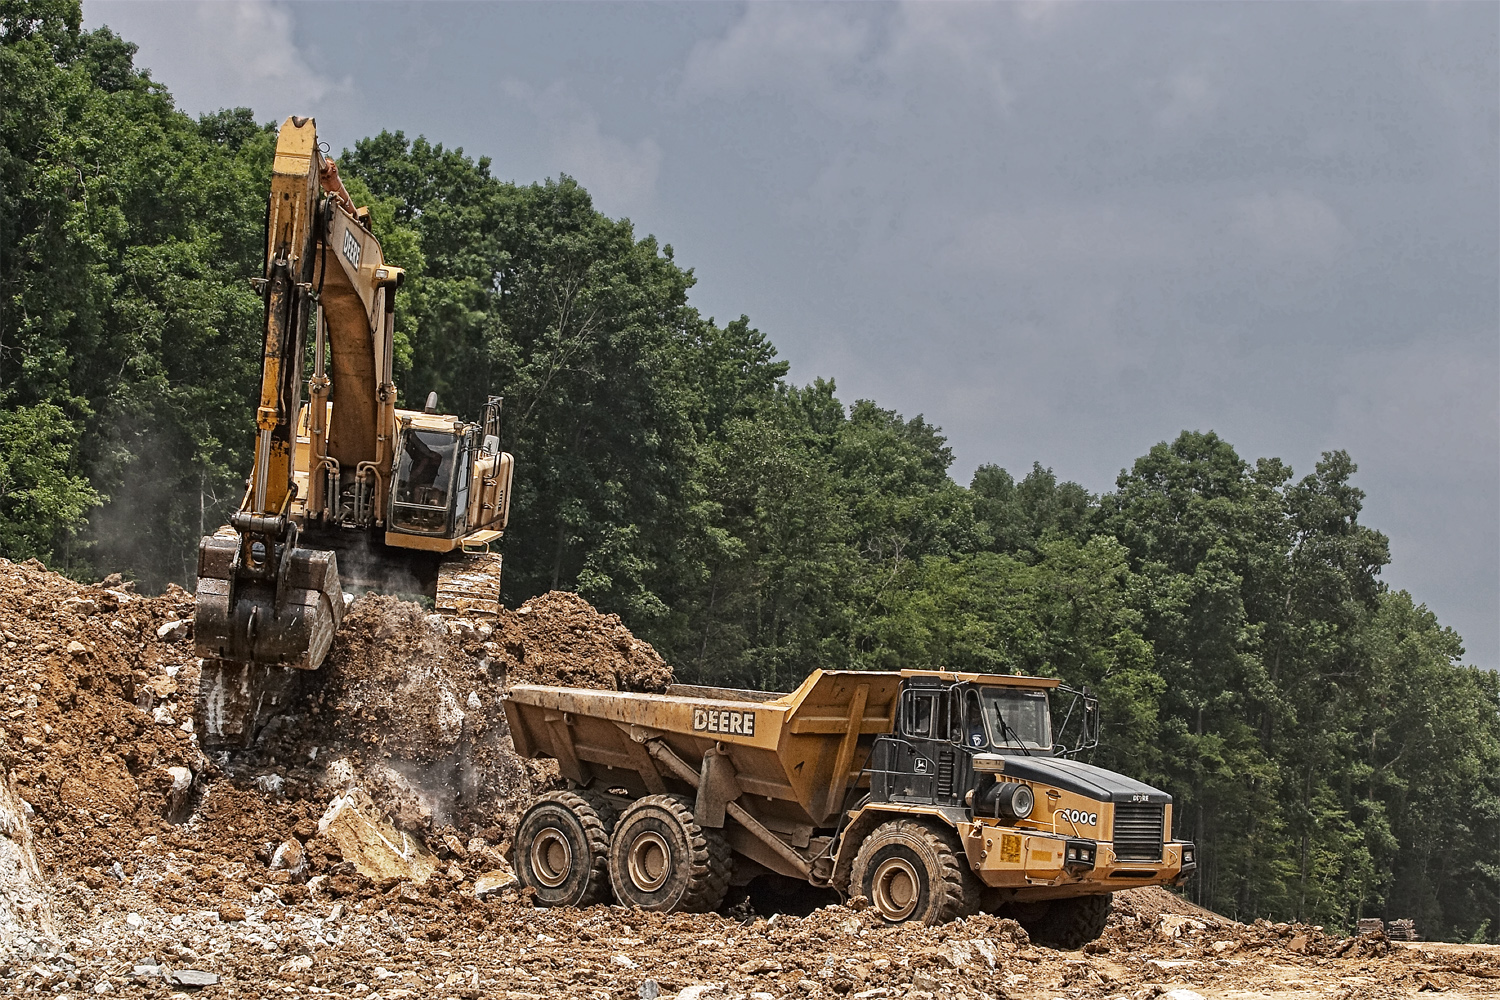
{"type": "Point", "coordinates": [412, 500]}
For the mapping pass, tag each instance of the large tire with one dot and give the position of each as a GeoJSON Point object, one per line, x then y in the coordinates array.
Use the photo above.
{"type": "Point", "coordinates": [1070, 923]}
{"type": "Point", "coordinates": [912, 872]}
{"type": "Point", "coordinates": [660, 858]}
{"type": "Point", "coordinates": [562, 850]}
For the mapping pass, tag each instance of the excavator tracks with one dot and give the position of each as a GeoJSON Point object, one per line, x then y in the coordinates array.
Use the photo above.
{"type": "Point", "coordinates": [469, 585]}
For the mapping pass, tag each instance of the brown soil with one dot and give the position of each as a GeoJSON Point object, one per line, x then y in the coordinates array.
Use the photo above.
{"type": "Point", "coordinates": [559, 638]}
{"type": "Point", "coordinates": [98, 706]}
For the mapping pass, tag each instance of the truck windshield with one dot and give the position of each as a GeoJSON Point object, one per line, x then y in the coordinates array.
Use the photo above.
{"type": "Point", "coordinates": [423, 477]}
{"type": "Point", "coordinates": [1017, 718]}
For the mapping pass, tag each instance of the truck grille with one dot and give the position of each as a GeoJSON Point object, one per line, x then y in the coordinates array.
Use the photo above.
{"type": "Point", "coordinates": [1138, 831]}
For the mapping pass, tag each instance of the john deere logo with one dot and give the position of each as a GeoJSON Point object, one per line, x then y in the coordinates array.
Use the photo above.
{"type": "Point", "coordinates": [732, 723]}
{"type": "Point", "coordinates": [351, 248]}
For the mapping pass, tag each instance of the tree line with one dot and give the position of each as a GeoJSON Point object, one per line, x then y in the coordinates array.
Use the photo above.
{"type": "Point", "coordinates": [1326, 745]}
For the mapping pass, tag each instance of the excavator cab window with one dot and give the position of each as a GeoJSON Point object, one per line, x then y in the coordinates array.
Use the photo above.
{"type": "Point", "coordinates": [424, 481]}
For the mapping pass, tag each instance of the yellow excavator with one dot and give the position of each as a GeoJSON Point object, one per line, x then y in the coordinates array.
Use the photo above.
{"type": "Point", "coordinates": [347, 490]}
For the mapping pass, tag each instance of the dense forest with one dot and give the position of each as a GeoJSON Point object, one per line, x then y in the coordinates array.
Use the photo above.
{"type": "Point", "coordinates": [1327, 748]}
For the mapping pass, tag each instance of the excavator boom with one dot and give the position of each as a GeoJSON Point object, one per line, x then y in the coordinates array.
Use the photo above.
{"type": "Point", "coordinates": [413, 499]}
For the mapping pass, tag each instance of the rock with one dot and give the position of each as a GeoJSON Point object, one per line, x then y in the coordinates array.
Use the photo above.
{"type": "Point", "coordinates": [648, 990]}
{"type": "Point", "coordinates": [492, 882]}
{"type": "Point", "coordinates": [375, 848]}
{"type": "Point", "coordinates": [696, 991]}
{"type": "Point", "coordinates": [192, 977]}
{"type": "Point", "coordinates": [759, 965]}
{"type": "Point", "coordinates": [25, 908]}
{"type": "Point", "coordinates": [134, 920]}
{"type": "Point", "coordinates": [1181, 994]}
{"type": "Point", "coordinates": [231, 911]}
{"type": "Point", "coordinates": [955, 955]}
{"type": "Point", "coordinates": [623, 961]}
{"type": "Point", "coordinates": [272, 784]}
{"type": "Point", "coordinates": [179, 795]}
{"type": "Point", "coordinates": [987, 950]}
{"type": "Point", "coordinates": [290, 858]}
{"type": "Point", "coordinates": [77, 650]}
{"type": "Point", "coordinates": [1175, 925]}
{"type": "Point", "coordinates": [455, 845]}
{"type": "Point", "coordinates": [172, 631]}
{"type": "Point", "coordinates": [1298, 944]}
{"type": "Point", "coordinates": [922, 981]}
{"type": "Point", "coordinates": [1225, 947]}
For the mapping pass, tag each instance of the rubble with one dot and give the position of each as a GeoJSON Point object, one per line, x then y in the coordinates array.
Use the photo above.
{"type": "Point", "coordinates": [358, 850]}
{"type": "Point", "coordinates": [353, 829]}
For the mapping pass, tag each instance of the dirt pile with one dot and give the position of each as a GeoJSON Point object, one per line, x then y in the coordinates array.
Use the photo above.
{"type": "Point", "coordinates": [558, 638]}
{"type": "Point", "coordinates": [407, 708]}
{"type": "Point", "coordinates": [99, 735]}
{"type": "Point", "coordinates": [96, 712]}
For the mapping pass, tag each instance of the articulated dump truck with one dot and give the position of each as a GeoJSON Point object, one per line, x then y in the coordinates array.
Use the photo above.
{"type": "Point", "coordinates": [932, 794]}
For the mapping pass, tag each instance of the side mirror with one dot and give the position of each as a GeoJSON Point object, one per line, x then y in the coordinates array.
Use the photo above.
{"type": "Point", "coordinates": [491, 444]}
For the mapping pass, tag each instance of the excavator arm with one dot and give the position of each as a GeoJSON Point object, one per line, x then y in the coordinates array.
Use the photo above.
{"type": "Point", "coordinates": [263, 601]}
{"type": "Point", "coordinates": [413, 500]}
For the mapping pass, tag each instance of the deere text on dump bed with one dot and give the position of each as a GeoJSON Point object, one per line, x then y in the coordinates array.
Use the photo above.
{"type": "Point", "coordinates": [933, 794]}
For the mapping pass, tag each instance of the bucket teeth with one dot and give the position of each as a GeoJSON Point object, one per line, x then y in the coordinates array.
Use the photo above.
{"type": "Point", "coordinates": [253, 630]}
{"type": "Point", "coordinates": [242, 618]}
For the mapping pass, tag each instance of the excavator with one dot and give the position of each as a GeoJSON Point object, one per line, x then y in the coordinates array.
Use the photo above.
{"type": "Point", "coordinates": [347, 489]}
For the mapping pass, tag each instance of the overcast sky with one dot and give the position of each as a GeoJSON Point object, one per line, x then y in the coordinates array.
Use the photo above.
{"type": "Point", "coordinates": [1063, 233]}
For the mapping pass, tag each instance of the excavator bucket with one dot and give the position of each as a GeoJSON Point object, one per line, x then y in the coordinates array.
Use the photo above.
{"type": "Point", "coordinates": [257, 627]}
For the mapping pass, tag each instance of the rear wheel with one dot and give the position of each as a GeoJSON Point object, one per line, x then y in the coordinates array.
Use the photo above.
{"type": "Point", "coordinates": [661, 859]}
{"type": "Point", "coordinates": [911, 872]}
{"type": "Point", "coordinates": [562, 851]}
{"type": "Point", "coordinates": [1070, 923]}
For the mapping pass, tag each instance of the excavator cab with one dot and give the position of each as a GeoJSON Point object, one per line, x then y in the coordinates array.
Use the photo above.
{"type": "Point", "coordinates": [449, 479]}
{"type": "Point", "coordinates": [430, 483]}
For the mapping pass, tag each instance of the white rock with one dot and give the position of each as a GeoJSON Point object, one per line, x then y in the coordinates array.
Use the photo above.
{"type": "Point", "coordinates": [987, 950]}
{"type": "Point", "coordinates": [134, 920]}
{"type": "Point", "coordinates": [491, 882]}
{"type": "Point", "coordinates": [1182, 995]}
{"type": "Point", "coordinates": [1175, 925]}
{"type": "Point", "coordinates": [623, 961]}
{"type": "Point", "coordinates": [698, 990]}
{"type": "Point", "coordinates": [172, 630]}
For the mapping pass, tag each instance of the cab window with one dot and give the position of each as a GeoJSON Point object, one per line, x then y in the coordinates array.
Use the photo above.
{"type": "Point", "coordinates": [917, 716]}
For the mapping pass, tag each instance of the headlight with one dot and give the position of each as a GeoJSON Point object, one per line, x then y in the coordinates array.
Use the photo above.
{"type": "Point", "coordinates": [1009, 799]}
{"type": "Point", "coordinates": [1072, 854]}
{"type": "Point", "coordinates": [1021, 802]}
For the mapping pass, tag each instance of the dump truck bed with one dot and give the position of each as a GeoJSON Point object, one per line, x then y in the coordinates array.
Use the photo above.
{"type": "Point", "coordinates": [797, 756]}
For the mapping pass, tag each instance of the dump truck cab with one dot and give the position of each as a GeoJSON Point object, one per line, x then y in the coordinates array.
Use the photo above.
{"type": "Point", "coordinates": [933, 794]}
{"type": "Point", "coordinates": [984, 755]}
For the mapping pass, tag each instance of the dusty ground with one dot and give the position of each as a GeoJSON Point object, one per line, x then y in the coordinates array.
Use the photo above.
{"type": "Point", "coordinates": [151, 874]}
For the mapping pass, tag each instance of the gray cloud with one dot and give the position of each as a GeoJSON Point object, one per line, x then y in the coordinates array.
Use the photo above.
{"type": "Point", "coordinates": [1063, 232]}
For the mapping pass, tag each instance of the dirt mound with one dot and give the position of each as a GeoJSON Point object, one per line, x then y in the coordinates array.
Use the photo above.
{"type": "Point", "coordinates": [100, 736]}
{"type": "Point", "coordinates": [406, 708]}
{"type": "Point", "coordinates": [558, 638]}
{"type": "Point", "coordinates": [94, 718]}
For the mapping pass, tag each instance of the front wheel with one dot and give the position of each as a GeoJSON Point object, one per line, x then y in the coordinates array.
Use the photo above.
{"type": "Point", "coordinates": [1070, 923]}
{"type": "Point", "coordinates": [911, 872]}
